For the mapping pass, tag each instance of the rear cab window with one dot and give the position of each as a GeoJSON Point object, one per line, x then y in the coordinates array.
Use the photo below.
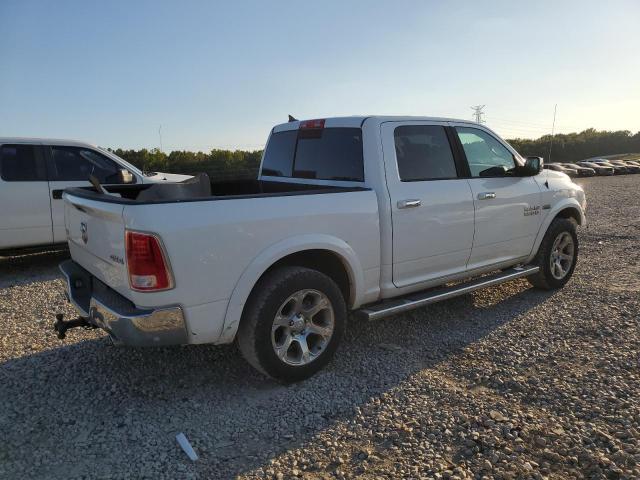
{"type": "Point", "coordinates": [22, 163]}
{"type": "Point", "coordinates": [333, 153]}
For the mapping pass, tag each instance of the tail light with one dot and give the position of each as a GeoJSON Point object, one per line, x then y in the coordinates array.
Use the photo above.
{"type": "Point", "coordinates": [146, 262]}
{"type": "Point", "coordinates": [312, 124]}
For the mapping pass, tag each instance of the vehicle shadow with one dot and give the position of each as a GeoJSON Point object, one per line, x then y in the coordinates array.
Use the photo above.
{"type": "Point", "coordinates": [29, 268]}
{"type": "Point", "coordinates": [124, 406]}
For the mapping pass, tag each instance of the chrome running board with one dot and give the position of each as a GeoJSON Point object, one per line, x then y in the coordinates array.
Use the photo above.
{"type": "Point", "coordinates": [394, 306]}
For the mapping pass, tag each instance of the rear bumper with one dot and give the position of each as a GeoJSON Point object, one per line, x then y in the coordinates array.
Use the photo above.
{"type": "Point", "coordinates": [119, 317]}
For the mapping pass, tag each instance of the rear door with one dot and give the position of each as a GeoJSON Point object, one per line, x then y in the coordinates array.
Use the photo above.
{"type": "Point", "coordinates": [71, 166]}
{"type": "Point", "coordinates": [431, 204]}
{"type": "Point", "coordinates": [25, 216]}
{"type": "Point", "coordinates": [507, 207]}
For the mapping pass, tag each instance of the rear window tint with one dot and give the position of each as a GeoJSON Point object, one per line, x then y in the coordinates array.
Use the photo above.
{"type": "Point", "coordinates": [323, 154]}
{"type": "Point", "coordinates": [278, 158]}
{"type": "Point", "coordinates": [21, 163]}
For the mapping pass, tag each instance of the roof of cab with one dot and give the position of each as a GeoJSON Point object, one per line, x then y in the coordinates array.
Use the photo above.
{"type": "Point", "coordinates": [357, 121]}
{"type": "Point", "coordinates": [45, 141]}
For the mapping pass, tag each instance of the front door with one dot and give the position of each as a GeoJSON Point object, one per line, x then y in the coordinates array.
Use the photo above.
{"type": "Point", "coordinates": [431, 206]}
{"type": "Point", "coordinates": [507, 207]}
{"type": "Point", "coordinates": [71, 166]}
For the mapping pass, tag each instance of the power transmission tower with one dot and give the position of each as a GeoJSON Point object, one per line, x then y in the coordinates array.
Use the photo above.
{"type": "Point", "coordinates": [160, 135]}
{"type": "Point", "coordinates": [478, 113]}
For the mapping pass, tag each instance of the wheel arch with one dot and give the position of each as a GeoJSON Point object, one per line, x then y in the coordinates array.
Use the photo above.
{"type": "Point", "coordinates": [570, 208]}
{"type": "Point", "coordinates": [329, 255]}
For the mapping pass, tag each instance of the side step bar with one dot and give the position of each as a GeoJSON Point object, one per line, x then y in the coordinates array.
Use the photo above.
{"type": "Point", "coordinates": [420, 299]}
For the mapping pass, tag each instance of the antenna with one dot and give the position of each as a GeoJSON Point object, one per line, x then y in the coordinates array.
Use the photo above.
{"type": "Point", "coordinates": [160, 136]}
{"type": "Point", "coordinates": [478, 113]}
{"type": "Point", "coordinates": [553, 129]}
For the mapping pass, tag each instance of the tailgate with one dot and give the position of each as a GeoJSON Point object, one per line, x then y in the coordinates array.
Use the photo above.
{"type": "Point", "coordinates": [95, 231]}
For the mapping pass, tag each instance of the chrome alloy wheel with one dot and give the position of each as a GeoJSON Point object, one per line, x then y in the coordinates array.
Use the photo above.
{"type": "Point", "coordinates": [562, 253]}
{"type": "Point", "coordinates": [302, 327]}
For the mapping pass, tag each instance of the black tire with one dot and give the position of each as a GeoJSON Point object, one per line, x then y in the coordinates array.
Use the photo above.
{"type": "Point", "coordinates": [255, 332]}
{"type": "Point", "coordinates": [545, 279]}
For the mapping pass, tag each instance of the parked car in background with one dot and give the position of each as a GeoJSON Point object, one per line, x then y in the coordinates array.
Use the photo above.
{"type": "Point", "coordinates": [629, 166]}
{"type": "Point", "coordinates": [372, 214]}
{"type": "Point", "coordinates": [559, 167]}
{"type": "Point", "coordinates": [33, 174]}
{"type": "Point", "coordinates": [599, 169]}
{"type": "Point", "coordinates": [635, 163]}
{"type": "Point", "coordinates": [617, 169]}
{"type": "Point", "coordinates": [582, 171]}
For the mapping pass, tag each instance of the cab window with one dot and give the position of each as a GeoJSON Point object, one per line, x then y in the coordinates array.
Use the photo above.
{"type": "Point", "coordinates": [486, 156]}
{"type": "Point", "coordinates": [322, 154]}
{"type": "Point", "coordinates": [423, 153]}
{"type": "Point", "coordinates": [22, 163]}
{"type": "Point", "coordinates": [78, 163]}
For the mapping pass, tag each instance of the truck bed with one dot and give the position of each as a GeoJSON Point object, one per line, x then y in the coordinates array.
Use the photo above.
{"type": "Point", "coordinates": [202, 189]}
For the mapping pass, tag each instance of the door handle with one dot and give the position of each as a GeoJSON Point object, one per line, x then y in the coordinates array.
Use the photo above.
{"type": "Point", "coordinates": [56, 194]}
{"type": "Point", "coordinates": [409, 203]}
{"type": "Point", "coordinates": [486, 195]}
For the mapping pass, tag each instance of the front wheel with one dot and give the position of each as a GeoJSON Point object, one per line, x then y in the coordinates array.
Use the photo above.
{"type": "Point", "coordinates": [557, 255]}
{"type": "Point", "coordinates": [292, 324]}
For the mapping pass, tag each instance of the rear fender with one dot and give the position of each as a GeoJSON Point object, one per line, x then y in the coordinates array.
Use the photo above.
{"type": "Point", "coordinates": [278, 251]}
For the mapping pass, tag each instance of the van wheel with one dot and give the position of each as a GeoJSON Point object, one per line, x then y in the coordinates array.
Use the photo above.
{"type": "Point", "coordinates": [557, 255]}
{"type": "Point", "coordinates": [292, 324]}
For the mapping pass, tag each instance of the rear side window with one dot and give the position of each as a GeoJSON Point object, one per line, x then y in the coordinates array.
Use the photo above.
{"type": "Point", "coordinates": [423, 153]}
{"type": "Point", "coordinates": [22, 163]}
{"type": "Point", "coordinates": [77, 163]}
{"type": "Point", "coordinates": [322, 154]}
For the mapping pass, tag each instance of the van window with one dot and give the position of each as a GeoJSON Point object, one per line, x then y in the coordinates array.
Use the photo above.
{"type": "Point", "coordinates": [22, 163]}
{"type": "Point", "coordinates": [423, 153]}
{"type": "Point", "coordinates": [322, 154]}
{"type": "Point", "coordinates": [78, 163]}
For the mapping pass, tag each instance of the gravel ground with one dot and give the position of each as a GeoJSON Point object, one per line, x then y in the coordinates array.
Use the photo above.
{"type": "Point", "coordinates": [509, 382]}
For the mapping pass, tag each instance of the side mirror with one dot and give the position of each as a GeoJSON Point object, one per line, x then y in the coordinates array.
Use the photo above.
{"type": "Point", "coordinates": [533, 166]}
{"type": "Point", "coordinates": [125, 176]}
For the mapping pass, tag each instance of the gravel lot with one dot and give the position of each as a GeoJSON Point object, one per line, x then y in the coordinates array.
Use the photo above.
{"type": "Point", "coordinates": [509, 382]}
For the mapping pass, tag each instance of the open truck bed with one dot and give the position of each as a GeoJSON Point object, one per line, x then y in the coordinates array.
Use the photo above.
{"type": "Point", "coordinates": [200, 188]}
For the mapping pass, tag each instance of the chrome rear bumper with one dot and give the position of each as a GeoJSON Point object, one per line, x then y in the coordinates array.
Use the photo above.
{"type": "Point", "coordinates": [119, 317]}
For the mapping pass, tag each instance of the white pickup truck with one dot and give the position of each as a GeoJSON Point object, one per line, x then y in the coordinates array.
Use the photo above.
{"type": "Point", "coordinates": [33, 174]}
{"type": "Point", "coordinates": [376, 215]}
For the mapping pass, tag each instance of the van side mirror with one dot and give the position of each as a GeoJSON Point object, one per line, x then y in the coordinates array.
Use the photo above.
{"type": "Point", "coordinates": [533, 166]}
{"type": "Point", "coordinates": [125, 176]}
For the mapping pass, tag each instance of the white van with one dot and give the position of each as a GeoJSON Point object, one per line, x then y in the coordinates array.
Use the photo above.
{"type": "Point", "coordinates": [33, 174]}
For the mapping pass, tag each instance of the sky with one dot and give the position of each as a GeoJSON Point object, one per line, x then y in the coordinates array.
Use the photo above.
{"type": "Point", "coordinates": [221, 74]}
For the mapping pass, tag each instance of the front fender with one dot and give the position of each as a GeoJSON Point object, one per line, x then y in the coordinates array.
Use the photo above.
{"type": "Point", "coordinates": [563, 204]}
{"type": "Point", "coordinates": [276, 252]}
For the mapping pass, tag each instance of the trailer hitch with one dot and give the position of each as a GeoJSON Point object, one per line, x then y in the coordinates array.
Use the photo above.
{"type": "Point", "coordinates": [61, 326]}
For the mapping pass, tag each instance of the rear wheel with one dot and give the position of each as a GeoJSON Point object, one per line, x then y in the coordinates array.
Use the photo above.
{"type": "Point", "coordinates": [292, 324]}
{"type": "Point", "coordinates": [557, 255]}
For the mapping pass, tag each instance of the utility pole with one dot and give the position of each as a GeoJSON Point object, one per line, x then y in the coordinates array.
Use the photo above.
{"type": "Point", "coordinates": [478, 113]}
{"type": "Point", "coordinates": [553, 129]}
{"type": "Point", "coordinates": [160, 136]}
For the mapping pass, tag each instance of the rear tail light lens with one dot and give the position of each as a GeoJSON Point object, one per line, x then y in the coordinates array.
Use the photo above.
{"type": "Point", "coordinates": [146, 262]}
{"type": "Point", "coordinates": [312, 124]}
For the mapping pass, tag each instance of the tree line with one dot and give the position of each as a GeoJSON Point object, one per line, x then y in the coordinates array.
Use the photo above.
{"type": "Point", "coordinates": [572, 147]}
{"type": "Point", "coordinates": [241, 164]}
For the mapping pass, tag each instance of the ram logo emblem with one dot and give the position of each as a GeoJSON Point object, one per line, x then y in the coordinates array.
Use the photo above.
{"type": "Point", "coordinates": [83, 231]}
